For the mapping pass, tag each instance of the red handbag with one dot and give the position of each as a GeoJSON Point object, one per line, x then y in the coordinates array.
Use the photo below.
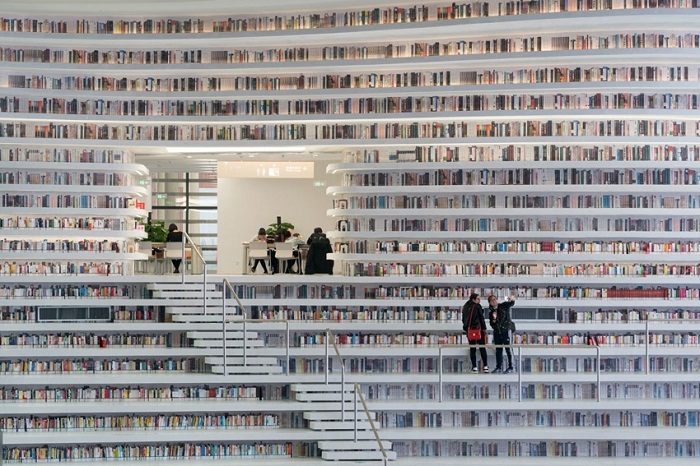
{"type": "Point", "coordinates": [473, 333]}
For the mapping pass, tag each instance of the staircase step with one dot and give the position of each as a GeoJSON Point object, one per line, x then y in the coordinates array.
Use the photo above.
{"type": "Point", "coordinates": [337, 415]}
{"type": "Point", "coordinates": [238, 360]}
{"type": "Point", "coordinates": [195, 318]}
{"type": "Point", "coordinates": [320, 387]}
{"type": "Point", "coordinates": [229, 344]}
{"type": "Point", "coordinates": [180, 286]}
{"type": "Point", "coordinates": [216, 335]}
{"type": "Point", "coordinates": [350, 445]}
{"type": "Point", "coordinates": [188, 309]}
{"type": "Point", "coordinates": [247, 369]}
{"type": "Point", "coordinates": [357, 455]}
{"type": "Point", "coordinates": [186, 294]}
{"type": "Point", "coordinates": [322, 397]}
{"type": "Point", "coordinates": [340, 425]}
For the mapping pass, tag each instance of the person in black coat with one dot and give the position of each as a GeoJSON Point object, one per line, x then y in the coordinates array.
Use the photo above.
{"type": "Point", "coordinates": [499, 318]}
{"type": "Point", "coordinates": [174, 236]}
{"type": "Point", "coordinates": [473, 317]}
{"type": "Point", "coordinates": [316, 261]}
{"type": "Point", "coordinates": [318, 233]}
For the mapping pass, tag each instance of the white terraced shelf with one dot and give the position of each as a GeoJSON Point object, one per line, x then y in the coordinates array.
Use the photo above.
{"type": "Point", "coordinates": [544, 150]}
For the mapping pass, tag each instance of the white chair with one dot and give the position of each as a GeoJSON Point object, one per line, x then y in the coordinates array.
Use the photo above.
{"type": "Point", "coordinates": [285, 252]}
{"type": "Point", "coordinates": [173, 250]}
{"type": "Point", "coordinates": [303, 252]}
{"type": "Point", "coordinates": [258, 251]}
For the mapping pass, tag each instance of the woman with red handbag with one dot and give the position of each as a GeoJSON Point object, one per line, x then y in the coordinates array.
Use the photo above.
{"type": "Point", "coordinates": [474, 324]}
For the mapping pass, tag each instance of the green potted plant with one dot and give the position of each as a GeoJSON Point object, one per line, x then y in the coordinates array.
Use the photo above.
{"type": "Point", "coordinates": [156, 231]}
{"type": "Point", "coordinates": [276, 230]}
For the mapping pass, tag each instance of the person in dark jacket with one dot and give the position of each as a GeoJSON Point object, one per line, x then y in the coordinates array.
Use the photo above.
{"type": "Point", "coordinates": [473, 317]}
{"type": "Point", "coordinates": [174, 236]}
{"type": "Point", "coordinates": [318, 233]}
{"type": "Point", "coordinates": [499, 318]}
{"type": "Point", "coordinates": [316, 261]}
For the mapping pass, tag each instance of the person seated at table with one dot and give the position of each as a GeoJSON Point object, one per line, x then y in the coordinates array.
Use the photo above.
{"type": "Point", "coordinates": [316, 261]}
{"type": "Point", "coordinates": [174, 236]}
{"type": "Point", "coordinates": [318, 233]}
{"type": "Point", "coordinates": [261, 237]}
{"type": "Point", "coordinates": [295, 241]}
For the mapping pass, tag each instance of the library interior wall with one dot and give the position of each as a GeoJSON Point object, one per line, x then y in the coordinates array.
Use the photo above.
{"type": "Point", "coordinates": [246, 204]}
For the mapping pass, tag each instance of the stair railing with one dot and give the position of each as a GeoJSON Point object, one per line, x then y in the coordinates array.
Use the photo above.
{"type": "Point", "coordinates": [361, 397]}
{"type": "Point", "coordinates": [244, 312]}
{"type": "Point", "coordinates": [193, 247]}
{"type": "Point", "coordinates": [518, 350]}
{"type": "Point", "coordinates": [330, 337]}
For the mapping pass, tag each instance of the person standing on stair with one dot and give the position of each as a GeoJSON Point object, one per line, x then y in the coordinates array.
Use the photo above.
{"type": "Point", "coordinates": [499, 318]}
{"type": "Point", "coordinates": [473, 319]}
{"type": "Point", "coordinates": [175, 236]}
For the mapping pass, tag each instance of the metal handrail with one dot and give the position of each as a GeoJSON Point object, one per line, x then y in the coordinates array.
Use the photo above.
{"type": "Point", "coordinates": [244, 312]}
{"type": "Point", "coordinates": [329, 334]}
{"type": "Point", "coordinates": [331, 337]}
{"type": "Point", "coordinates": [188, 238]}
{"type": "Point", "coordinates": [519, 348]}
{"type": "Point", "coordinates": [358, 393]}
{"type": "Point", "coordinates": [647, 356]}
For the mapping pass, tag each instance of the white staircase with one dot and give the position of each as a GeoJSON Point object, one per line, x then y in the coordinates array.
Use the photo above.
{"type": "Point", "coordinates": [186, 305]}
{"type": "Point", "coordinates": [326, 414]}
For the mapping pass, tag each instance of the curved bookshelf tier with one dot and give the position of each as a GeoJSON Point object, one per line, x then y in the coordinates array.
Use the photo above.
{"type": "Point", "coordinates": [397, 319]}
{"type": "Point", "coordinates": [515, 257]}
{"type": "Point", "coordinates": [148, 94]}
{"type": "Point", "coordinates": [402, 302]}
{"type": "Point", "coordinates": [342, 144]}
{"type": "Point", "coordinates": [485, 116]}
{"type": "Point", "coordinates": [53, 234]}
{"type": "Point", "coordinates": [97, 353]}
{"type": "Point", "coordinates": [470, 81]}
{"type": "Point", "coordinates": [43, 166]}
{"type": "Point", "coordinates": [391, 108]}
{"type": "Point", "coordinates": [597, 57]}
{"type": "Point", "coordinates": [493, 186]}
{"type": "Point", "coordinates": [102, 327]}
{"type": "Point", "coordinates": [75, 189]}
{"type": "Point", "coordinates": [166, 378]}
{"type": "Point", "coordinates": [229, 20]}
{"type": "Point", "coordinates": [585, 21]}
{"type": "Point", "coordinates": [569, 235]}
{"type": "Point", "coordinates": [402, 167]}
{"type": "Point", "coordinates": [86, 211]}
{"type": "Point", "coordinates": [69, 255]}
{"type": "Point", "coordinates": [544, 212]}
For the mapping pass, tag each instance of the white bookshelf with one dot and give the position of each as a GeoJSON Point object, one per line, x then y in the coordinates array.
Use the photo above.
{"type": "Point", "coordinates": [418, 322]}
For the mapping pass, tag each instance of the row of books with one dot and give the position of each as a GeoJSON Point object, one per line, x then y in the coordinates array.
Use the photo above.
{"type": "Point", "coordinates": [21, 222]}
{"type": "Point", "coordinates": [530, 153]}
{"type": "Point", "coordinates": [59, 155]}
{"type": "Point", "coordinates": [641, 40]}
{"type": "Point", "coordinates": [660, 73]}
{"type": "Point", "coordinates": [354, 106]}
{"type": "Point", "coordinates": [327, 19]}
